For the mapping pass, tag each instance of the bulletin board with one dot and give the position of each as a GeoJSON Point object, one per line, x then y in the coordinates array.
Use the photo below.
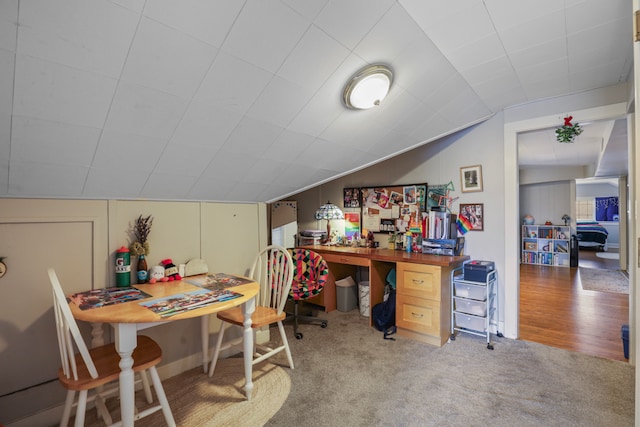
{"type": "Point", "coordinates": [393, 209]}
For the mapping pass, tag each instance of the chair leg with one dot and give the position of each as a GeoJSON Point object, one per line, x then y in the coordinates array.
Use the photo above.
{"type": "Point", "coordinates": [216, 353]}
{"type": "Point", "coordinates": [68, 404]}
{"type": "Point", "coordinates": [101, 408]}
{"type": "Point", "coordinates": [81, 408]}
{"type": "Point", "coordinates": [162, 398]}
{"type": "Point", "coordinates": [146, 387]}
{"type": "Point", "coordinates": [285, 342]}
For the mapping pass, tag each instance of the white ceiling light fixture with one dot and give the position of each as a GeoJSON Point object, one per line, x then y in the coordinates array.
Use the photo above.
{"type": "Point", "coordinates": [368, 87]}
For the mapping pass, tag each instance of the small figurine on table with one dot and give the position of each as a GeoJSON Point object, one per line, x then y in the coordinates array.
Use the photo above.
{"type": "Point", "coordinates": [170, 270]}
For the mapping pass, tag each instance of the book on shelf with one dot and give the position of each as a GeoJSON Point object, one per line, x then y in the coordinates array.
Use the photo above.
{"type": "Point", "coordinates": [107, 296]}
{"type": "Point", "coordinates": [218, 281]}
{"type": "Point", "coordinates": [179, 303]}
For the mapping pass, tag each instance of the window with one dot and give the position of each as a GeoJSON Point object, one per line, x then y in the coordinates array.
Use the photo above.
{"type": "Point", "coordinates": [585, 209]}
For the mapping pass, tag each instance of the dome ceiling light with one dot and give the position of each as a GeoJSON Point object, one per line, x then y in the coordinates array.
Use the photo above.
{"type": "Point", "coordinates": [368, 87]}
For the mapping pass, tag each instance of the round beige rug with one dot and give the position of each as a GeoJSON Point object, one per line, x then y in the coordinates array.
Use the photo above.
{"type": "Point", "coordinates": [197, 400]}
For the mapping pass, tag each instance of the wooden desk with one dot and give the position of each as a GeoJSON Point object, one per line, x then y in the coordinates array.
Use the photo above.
{"type": "Point", "coordinates": [128, 318]}
{"type": "Point", "coordinates": [423, 286]}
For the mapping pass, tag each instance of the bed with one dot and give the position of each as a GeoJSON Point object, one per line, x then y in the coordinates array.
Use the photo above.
{"type": "Point", "coordinates": [592, 234]}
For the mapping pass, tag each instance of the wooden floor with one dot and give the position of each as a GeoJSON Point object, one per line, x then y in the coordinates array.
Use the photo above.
{"type": "Point", "coordinates": [556, 311]}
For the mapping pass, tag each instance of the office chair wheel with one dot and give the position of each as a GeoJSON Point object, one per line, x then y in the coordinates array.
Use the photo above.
{"type": "Point", "coordinates": [299, 335]}
{"type": "Point", "coordinates": [323, 325]}
{"type": "Point", "coordinates": [490, 346]}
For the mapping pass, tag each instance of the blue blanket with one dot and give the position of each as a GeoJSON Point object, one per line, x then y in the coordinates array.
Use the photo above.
{"type": "Point", "coordinates": [592, 232]}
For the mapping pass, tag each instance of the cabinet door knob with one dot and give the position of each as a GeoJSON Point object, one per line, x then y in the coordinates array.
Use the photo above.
{"type": "Point", "coordinates": [418, 282]}
{"type": "Point", "coordinates": [417, 315]}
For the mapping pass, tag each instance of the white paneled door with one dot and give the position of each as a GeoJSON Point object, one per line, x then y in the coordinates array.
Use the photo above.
{"type": "Point", "coordinates": [29, 359]}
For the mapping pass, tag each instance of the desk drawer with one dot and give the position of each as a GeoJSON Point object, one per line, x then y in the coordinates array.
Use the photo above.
{"type": "Point", "coordinates": [417, 280]}
{"type": "Point", "coordinates": [418, 315]}
{"type": "Point", "coordinates": [345, 259]}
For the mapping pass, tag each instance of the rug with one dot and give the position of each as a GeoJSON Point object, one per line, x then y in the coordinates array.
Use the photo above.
{"type": "Point", "coordinates": [197, 400]}
{"type": "Point", "coordinates": [608, 255]}
{"type": "Point", "coordinates": [604, 280]}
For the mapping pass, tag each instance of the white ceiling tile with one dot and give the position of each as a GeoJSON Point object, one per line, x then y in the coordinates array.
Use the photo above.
{"type": "Point", "coordinates": [46, 180]}
{"type": "Point", "coordinates": [265, 33]}
{"type": "Point", "coordinates": [8, 24]}
{"type": "Point", "coordinates": [430, 13]}
{"type": "Point", "coordinates": [224, 166]}
{"type": "Point", "coordinates": [133, 5]}
{"type": "Point", "coordinates": [141, 111]}
{"type": "Point", "coordinates": [167, 60]}
{"type": "Point", "coordinates": [551, 50]}
{"type": "Point", "coordinates": [189, 160]}
{"type": "Point", "coordinates": [315, 48]}
{"type": "Point", "coordinates": [452, 33]}
{"type": "Point", "coordinates": [251, 137]}
{"type": "Point", "coordinates": [5, 143]}
{"type": "Point", "coordinates": [167, 185]}
{"type": "Point", "coordinates": [96, 39]}
{"type": "Point", "coordinates": [486, 49]}
{"type": "Point", "coordinates": [4, 176]}
{"type": "Point", "coordinates": [548, 87]}
{"type": "Point", "coordinates": [211, 189]}
{"type": "Point", "coordinates": [599, 76]}
{"type": "Point", "coordinates": [600, 38]}
{"type": "Point", "coordinates": [307, 8]}
{"type": "Point", "coordinates": [58, 93]}
{"type": "Point", "coordinates": [547, 28]}
{"type": "Point", "coordinates": [232, 84]}
{"type": "Point", "coordinates": [7, 65]}
{"type": "Point", "coordinates": [392, 34]}
{"type": "Point", "coordinates": [115, 183]}
{"type": "Point", "coordinates": [337, 19]}
{"type": "Point", "coordinates": [488, 71]}
{"type": "Point", "coordinates": [290, 98]}
{"type": "Point", "coordinates": [206, 20]}
{"type": "Point", "coordinates": [543, 71]}
{"type": "Point", "coordinates": [128, 152]}
{"type": "Point", "coordinates": [41, 141]}
{"type": "Point", "coordinates": [508, 13]}
{"type": "Point", "coordinates": [205, 126]}
{"type": "Point", "coordinates": [288, 146]}
{"type": "Point", "coordinates": [593, 13]}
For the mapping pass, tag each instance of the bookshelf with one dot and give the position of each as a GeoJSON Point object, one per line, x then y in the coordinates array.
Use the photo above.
{"type": "Point", "coordinates": [546, 245]}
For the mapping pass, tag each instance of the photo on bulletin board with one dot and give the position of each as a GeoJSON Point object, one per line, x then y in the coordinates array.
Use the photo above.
{"type": "Point", "coordinates": [474, 213]}
{"type": "Point", "coordinates": [352, 197]}
{"type": "Point", "coordinates": [393, 208]}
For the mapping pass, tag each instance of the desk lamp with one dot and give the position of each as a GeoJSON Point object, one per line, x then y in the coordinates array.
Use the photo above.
{"type": "Point", "coordinates": [329, 211]}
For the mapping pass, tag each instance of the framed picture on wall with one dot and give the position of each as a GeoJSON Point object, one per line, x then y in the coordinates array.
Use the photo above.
{"type": "Point", "coordinates": [471, 178]}
{"type": "Point", "coordinates": [474, 213]}
{"type": "Point", "coordinates": [351, 198]}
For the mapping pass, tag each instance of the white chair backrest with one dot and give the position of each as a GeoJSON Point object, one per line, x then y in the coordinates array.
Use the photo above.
{"type": "Point", "coordinates": [273, 269]}
{"type": "Point", "coordinates": [68, 332]}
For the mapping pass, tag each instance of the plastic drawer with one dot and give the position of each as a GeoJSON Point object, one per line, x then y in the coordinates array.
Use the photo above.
{"type": "Point", "coordinates": [477, 308]}
{"type": "Point", "coordinates": [475, 292]}
{"type": "Point", "coordinates": [470, 322]}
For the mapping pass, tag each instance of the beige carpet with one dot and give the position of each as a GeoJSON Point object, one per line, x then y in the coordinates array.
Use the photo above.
{"type": "Point", "coordinates": [199, 401]}
{"type": "Point", "coordinates": [604, 280]}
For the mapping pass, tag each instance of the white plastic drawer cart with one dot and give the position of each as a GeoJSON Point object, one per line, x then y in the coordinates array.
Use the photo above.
{"type": "Point", "coordinates": [474, 305]}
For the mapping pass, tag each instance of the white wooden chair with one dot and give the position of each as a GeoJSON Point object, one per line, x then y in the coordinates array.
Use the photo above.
{"type": "Point", "coordinates": [91, 369]}
{"type": "Point", "coordinates": [273, 269]}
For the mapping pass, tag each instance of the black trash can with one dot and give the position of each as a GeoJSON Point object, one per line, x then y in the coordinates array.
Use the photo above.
{"type": "Point", "coordinates": [573, 261]}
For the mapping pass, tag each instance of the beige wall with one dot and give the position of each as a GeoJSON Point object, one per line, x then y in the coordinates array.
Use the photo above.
{"type": "Point", "coordinates": [79, 239]}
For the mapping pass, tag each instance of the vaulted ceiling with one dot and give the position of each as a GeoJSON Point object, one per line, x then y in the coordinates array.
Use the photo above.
{"type": "Point", "coordinates": [232, 100]}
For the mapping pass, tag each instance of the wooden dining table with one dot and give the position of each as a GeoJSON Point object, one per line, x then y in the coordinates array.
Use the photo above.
{"type": "Point", "coordinates": [130, 317]}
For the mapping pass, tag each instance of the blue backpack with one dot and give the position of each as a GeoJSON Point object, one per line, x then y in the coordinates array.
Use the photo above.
{"type": "Point", "coordinates": [384, 313]}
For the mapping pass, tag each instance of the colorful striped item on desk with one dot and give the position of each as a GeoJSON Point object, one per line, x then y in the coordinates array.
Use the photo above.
{"type": "Point", "coordinates": [463, 224]}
